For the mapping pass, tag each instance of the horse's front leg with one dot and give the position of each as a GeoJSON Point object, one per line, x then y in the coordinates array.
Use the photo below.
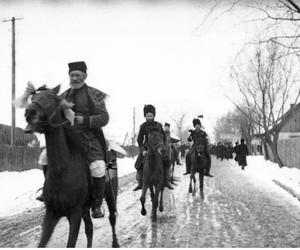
{"type": "Point", "coordinates": [191, 179]}
{"type": "Point", "coordinates": [143, 198]}
{"type": "Point", "coordinates": [49, 224]}
{"type": "Point", "coordinates": [155, 203]}
{"type": "Point", "coordinates": [161, 205]}
{"type": "Point", "coordinates": [151, 192]}
{"type": "Point", "coordinates": [194, 179]}
{"type": "Point", "coordinates": [201, 178]}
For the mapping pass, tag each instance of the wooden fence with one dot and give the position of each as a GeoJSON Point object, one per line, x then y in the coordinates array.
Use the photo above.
{"type": "Point", "coordinates": [289, 152]}
{"type": "Point", "coordinates": [18, 158]}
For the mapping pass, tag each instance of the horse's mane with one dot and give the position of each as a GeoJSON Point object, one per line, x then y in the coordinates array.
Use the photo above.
{"type": "Point", "coordinates": [152, 160]}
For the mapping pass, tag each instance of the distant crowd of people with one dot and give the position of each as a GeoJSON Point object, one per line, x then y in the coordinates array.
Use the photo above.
{"type": "Point", "coordinates": [226, 150]}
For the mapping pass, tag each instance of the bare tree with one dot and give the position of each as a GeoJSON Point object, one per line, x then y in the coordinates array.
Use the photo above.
{"type": "Point", "coordinates": [268, 86]}
{"type": "Point", "coordinates": [280, 20]}
{"type": "Point", "coordinates": [235, 123]}
{"type": "Point", "coordinates": [180, 129]}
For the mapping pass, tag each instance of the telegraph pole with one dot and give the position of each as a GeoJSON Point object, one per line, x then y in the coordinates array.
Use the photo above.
{"type": "Point", "coordinates": [13, 78]}
{"type": "Point", "coordinates": [133, 132]}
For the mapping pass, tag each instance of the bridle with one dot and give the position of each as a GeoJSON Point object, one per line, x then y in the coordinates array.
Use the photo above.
{"type": "Point", "coordinates": [154, 148]}
{"type": "Point", "coordinates": [49, 121]}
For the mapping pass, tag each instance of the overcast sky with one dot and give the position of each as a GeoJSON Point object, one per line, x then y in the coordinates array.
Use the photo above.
{"type": "Point", "coordinates": [137, 53]}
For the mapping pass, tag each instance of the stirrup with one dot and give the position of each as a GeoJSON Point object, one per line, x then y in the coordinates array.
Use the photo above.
{"type": "Point", "coordinates": [168, 185]}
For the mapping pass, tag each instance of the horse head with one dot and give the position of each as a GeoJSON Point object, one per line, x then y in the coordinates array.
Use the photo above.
{"type": "Point", "coordinates": [200, 146]}
{"type": "Point", "coordinates": [44, 111]}
{"type": "Point", "coordinates": [155, 141]}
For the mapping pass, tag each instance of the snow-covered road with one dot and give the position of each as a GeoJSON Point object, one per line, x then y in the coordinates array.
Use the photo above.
{"type": "Point", "coordinates": [240, 209]}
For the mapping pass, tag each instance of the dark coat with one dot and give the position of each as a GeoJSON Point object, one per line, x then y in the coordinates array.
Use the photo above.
{"type": "Point", "coordinates": [145, 129]}
{"type": "Point", "coordinates": [142, 140]}
{"type": "Point", "coordinates": [195, 134]}
{"type": "Point", "coordinates": [242, 152]}
{"type": "Point", "coordinates": [90, 103]}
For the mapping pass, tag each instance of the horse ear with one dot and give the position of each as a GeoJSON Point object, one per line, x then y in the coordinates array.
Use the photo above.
{"type": "Point", "coordinates": [56, 89]}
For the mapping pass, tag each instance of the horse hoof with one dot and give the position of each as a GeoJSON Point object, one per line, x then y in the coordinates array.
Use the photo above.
{"type": "Point", "coordinates": [202, 196]}
{"type": "Point", "coordinates": [143, 212]}
{"type": "Point", "coordinates": [161, 208]}
{"type": "Point", "coordinates": [190, 190]}
{"type": "Point", "coordinates": [194, 193]}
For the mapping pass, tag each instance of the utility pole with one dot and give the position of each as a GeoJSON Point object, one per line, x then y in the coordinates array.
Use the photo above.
{"type": "Point", "coordinates": [133, 131]}
{"type": "Point", "coordinates": [13, 78]}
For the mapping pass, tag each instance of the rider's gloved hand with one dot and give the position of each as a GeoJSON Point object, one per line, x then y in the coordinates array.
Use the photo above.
{"type": "Point", "coordinates": [144, 152]}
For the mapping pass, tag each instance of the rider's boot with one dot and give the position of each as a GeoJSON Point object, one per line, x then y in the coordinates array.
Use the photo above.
{"type": "Point", "coordinates": [98, 191]}
{"type": "Point", "coordinates": [41, 196]}
{"type": "Point", "coordinates": [139, 177]}
{"type": "Point", "coordinates": [167, 179]}
{"type": "Point", "coordinates": [208, 165]}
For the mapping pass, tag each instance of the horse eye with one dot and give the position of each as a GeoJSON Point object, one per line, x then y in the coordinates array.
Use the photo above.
{"type": "Point", "coordinates": [33, 112]}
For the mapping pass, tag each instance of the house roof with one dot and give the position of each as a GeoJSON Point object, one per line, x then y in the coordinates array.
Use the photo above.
{"type": "Point", "coordinates": [287, 116]}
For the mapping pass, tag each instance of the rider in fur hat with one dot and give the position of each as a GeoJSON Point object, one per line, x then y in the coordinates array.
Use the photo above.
{"type": "Point", "coordinates": [199, 132]}
{"type": "Point", "coordinates": [142, 139]}
{"type": "Point", "coordinates": [90, 116]}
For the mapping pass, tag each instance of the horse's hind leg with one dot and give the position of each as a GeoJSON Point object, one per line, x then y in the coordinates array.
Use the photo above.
{"type": "Point", "coordinates": [111, 204]}
{"type": "Point", "coordinates": [49, 223]}
{"type": "Point", "coordinates": [88, 227]}
{"type": "Point", "coordinates": [201, 177]}
{"type": "Point", "coordinates": [74, 221]}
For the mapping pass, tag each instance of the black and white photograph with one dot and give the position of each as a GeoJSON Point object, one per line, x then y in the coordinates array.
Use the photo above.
{"type": "Point", "coordinates": [150, 123]}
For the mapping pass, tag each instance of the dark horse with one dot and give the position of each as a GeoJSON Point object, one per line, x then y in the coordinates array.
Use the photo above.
{"type": "Point", "coordinates": [198, 164]}
{"type": "Point", "coordinates": [67, 182]}
{"type": "Point", "coordinates": [153, 174]}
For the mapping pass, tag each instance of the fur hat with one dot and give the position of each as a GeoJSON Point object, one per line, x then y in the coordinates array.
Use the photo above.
{"type": "Point", "coordinates": [81, 66]}
{"type": "Point", "coordinates": [149, 109]}
{"type": "Point", "coordinates": [167, 124]}
{"type": "Point", "coordinates": [196, 121]}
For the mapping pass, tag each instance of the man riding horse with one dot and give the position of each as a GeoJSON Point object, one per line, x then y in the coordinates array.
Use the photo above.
{"type": "Point", "coordinates": [199, 133]}
{"type": "Point", "coordinates": [170, 143]}
{"type": "Point", "coordinates": [142, 139]}
{"type": "Point", "coordinates": [90, 116]}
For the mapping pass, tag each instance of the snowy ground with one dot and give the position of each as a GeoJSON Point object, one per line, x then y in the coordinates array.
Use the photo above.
{"type": "Point", "coordinates": [269, 172]}
{"type": "Point", "coordinates": [18, 190]}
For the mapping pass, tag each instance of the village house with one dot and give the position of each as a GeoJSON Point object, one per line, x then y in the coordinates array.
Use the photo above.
{"type": "Point", "coordinates": [289, 138]}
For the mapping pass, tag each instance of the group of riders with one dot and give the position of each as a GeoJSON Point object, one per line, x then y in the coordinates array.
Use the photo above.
{"type": "Point", "coordinates": [90, 115]}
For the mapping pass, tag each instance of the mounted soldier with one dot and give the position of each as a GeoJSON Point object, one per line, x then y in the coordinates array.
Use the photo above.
{"type": "Point", "coordinates": [142, 139]}
{"type": "Point", "coordinates": [169, 142]}
{"type": "Point", "coordinates": [199, 133]}
{"type": "Point", "coordinates": [91, 115]}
